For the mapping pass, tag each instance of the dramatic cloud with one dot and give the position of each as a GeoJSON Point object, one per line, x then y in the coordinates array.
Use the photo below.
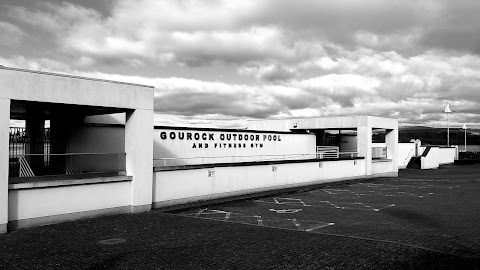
{"type": "Point", "coordinates": [10, 35]}
{"type": "Point", "coordinates": [227, 61]}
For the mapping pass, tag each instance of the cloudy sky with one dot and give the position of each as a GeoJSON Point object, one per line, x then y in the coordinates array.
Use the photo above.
{"type": "Point", "coordinates": [220, 62]}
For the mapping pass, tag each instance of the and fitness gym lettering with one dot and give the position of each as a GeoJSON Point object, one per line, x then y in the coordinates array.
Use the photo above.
{"type": "Point", "coordinates": [221, 140]}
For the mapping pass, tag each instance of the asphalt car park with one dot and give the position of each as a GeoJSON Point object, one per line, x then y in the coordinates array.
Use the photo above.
{"type": "Point", "coordinates": [424, 219]}
{"type": "Point", "coordinates": [436, 214]}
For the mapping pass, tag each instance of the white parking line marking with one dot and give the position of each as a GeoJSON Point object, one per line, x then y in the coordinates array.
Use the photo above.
{"type": "Point", "coordinates": [336, 205]}
{"type": "Point", "coordinates": [200, 212]}
{"type": "Point", "coordinates": [285, 211]}
{"type": "Point", "coordinates": [319, 227]}
{"type": "Point", "coordinates": [259, 220]}
{"type": "Point", "coordinates": [308, 226]}
{"type": "Point", "coordinates": [289, 201]}
{"type": "Point", "coordinates": [297, 224]}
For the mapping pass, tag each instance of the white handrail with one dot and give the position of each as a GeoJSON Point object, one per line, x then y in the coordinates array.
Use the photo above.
{"type": "Point", "coordinates": [63, 154]}
{"type": "Point", "coordinates": [164, 162]}
{"type": "Point", "coordinates": [408, 155]}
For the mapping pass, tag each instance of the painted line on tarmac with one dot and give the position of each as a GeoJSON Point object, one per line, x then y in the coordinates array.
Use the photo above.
{"type": "Point", "coordinates": [351, 237]}
{"type": "Point", "coordinates": [297, 224]}
{"type": "Point", "coordinates": [320, 226]}
{"type": "Point", "coordinates": [334, 205]}
{"type": "Point", "coordinates": [285, 211]}
{"type": "Point", "coordinates": [259, 220]}
{"type": "Point", "coordinates": [291, 201]}
{"type": "Point", "coordinates": [227, 216]}
{"type": "Point", "coordinates": [200, 212]}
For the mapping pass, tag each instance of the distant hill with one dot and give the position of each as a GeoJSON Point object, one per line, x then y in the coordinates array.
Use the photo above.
{"type": "Point", "coordinates": [438, 136]}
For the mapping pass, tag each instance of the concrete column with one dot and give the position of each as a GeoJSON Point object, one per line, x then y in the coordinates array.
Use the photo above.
{"type": "Point", "coordinates": [60, 123]}
{"type": "Point", "coordinates": [364, 146]}
{"type": "Point", "coordinates": [139, 161]}
{"type": "Point", "coordinates": [4, 136]}
{"type": "Point", "coordinates": [35, 125]}
{"type": "Point", "coordinates": [391, 141]}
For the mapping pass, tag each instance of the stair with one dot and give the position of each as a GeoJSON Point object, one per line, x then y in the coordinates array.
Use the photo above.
{"type": "Point", "coordinates": [414, 163]}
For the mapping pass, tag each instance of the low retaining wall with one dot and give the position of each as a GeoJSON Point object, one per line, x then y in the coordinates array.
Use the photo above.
{"type": "Point", "coordinates": [446, 155]}
{"type": "Point", "coordinates": [40, 203]}
{"type": "Point", "coordinates": [405, 152]}
{"type": "Point", "coordinates": [429, 159]}
{"type": "Point", "coordinates": [437, 156]}
{"type": "Point", "coordinates": [57, 200]}
{"type": "Point", "coordinates": [176, 187]}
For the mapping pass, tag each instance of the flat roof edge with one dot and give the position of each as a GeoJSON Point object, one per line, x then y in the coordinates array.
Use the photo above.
{"type": "Point", "coordinates": [73, 76]}
{"type": "Point", "coordinates": [321, 117]}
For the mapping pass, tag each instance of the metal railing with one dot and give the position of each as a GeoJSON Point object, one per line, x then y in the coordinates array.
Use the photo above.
{"type": "Point", "coordinates": [21, 141]}
{"type": "Point", "coordinates": [408, 155]}
{"type": "Point", "coordinates": [31, 165]}
{"type": "Point", "coordinates": [168, 162]}
{"type": "Point", "coordinates": [328, 151]}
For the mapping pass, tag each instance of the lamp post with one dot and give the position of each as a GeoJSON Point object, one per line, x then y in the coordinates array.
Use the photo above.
{"type": "Point", "coordinates": [465, 128]}
{"type": "Point", "coordinates": [447, 111]}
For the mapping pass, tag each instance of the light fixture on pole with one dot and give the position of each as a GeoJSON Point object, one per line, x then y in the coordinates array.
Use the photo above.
{"type": "Point", "coordinates": [447, 111]}
{"type": "Point", "coordinates": [465, 128]}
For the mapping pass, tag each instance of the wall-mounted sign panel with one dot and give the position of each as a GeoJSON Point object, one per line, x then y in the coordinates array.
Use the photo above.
{"type": "Point", "coordinates": [182, 146]}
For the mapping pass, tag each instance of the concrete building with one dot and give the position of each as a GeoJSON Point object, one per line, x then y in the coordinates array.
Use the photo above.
{"type": "Point", "coordinates": [362, 126]}
{"type": "Point", "coordinates": [102, 153]}
{"type": "Point", "coordinates": [65, 101]}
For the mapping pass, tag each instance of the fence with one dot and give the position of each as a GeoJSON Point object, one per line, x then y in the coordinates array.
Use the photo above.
{"type": "Point", "coordinates": [327, 152]}
{"type": "Point", "coordinates": [21, 142]}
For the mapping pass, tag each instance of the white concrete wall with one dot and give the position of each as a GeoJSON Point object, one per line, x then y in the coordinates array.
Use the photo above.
{"type": "Point", "coordinates": [210, 144]}
{"type": "Point", "coordinates": [383, 168]}
{"type": "Point", "coordinates": [97, 139]}
{"type": "Point", "coordinates": [55, 88]}
{"type": "Point", "coordinates": [322, 123]}
{"type": "Point", "coordinates": [100, 140]}
{"type": "Point", "coordinates": [137, 100]}
{"type": "Point", "coordinates": [44, 202]}
{"type": "Point", "coordinates": [114, 118]}
{"type": "Point", "coordinates": [4, 137]}
{"type": "Point", "coordinates": [184, 186]}
{"type": "Point", "coordinates": [363, 125]}
{"type": "Point", "coordinates": [364, 146]}
{"type": "Point", "coordinates": [405, 152]}
{"type": "Point", "coordinates": [446, 155]}
{"type": "Point", "coordinates": [139, 157]}
{"type": "Point", "coordinates": [391, 142]}
{"type": "Point", "coordinates": [430, 161]}
{"type": "Point", "coordinates": [379, 145]}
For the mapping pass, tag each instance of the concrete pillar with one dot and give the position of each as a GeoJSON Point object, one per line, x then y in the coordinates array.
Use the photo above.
{"type": "Point", "coordinates": [60, 123]}
{"type": "Point", "coordinates": [35, 125]}
{"type": "Point", "coordinates": [364, 146]}
{"type": "Point", "coordinates": [391, 141]}
{"type": "Point", "coordinates": [4, 136]}
{"type": "Point", "coordinates": [139, 161]}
